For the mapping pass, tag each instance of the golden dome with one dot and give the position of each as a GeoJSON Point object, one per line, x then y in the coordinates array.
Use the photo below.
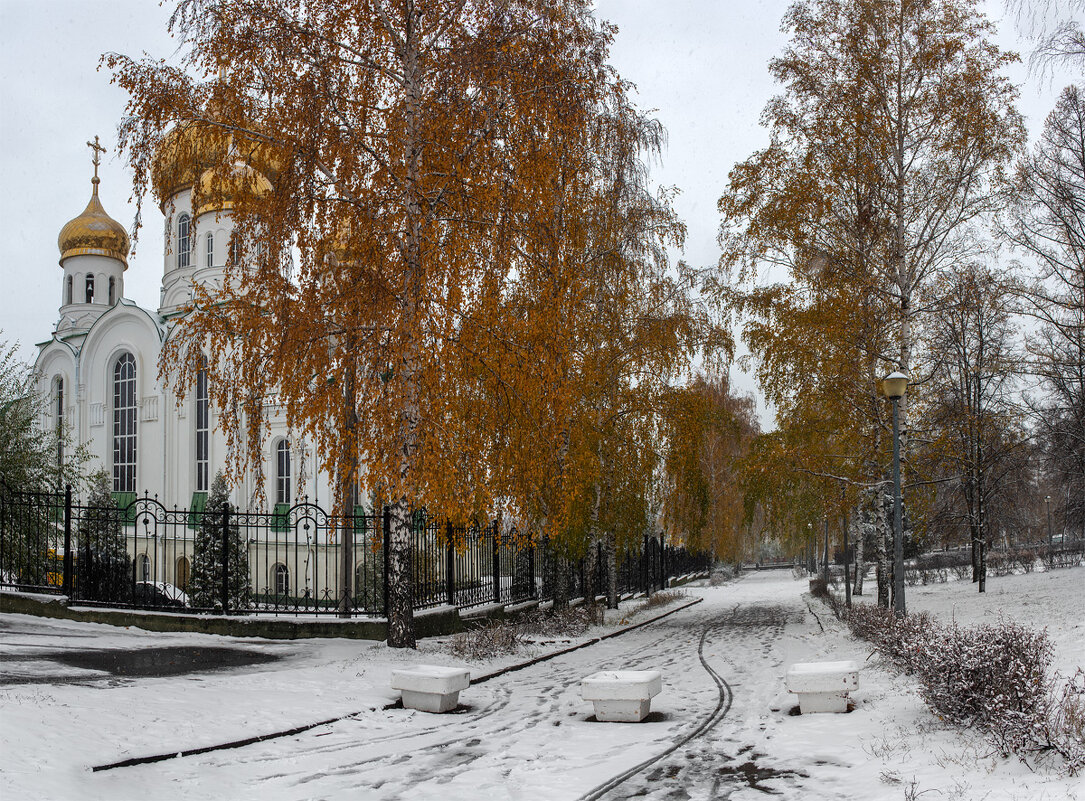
{"type": "Point", "coordinates": [340, 244]}
{"type": "Point", "coordinates": [216, 194]}
{"type": "Point", "coordinates": [190, 149]}
{"type": "Point", "coordinates": [94, 232]}
{"type": "Point", "coordinates": [186, 151]}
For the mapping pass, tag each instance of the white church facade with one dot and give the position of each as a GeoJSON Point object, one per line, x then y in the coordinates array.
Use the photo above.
{"type": "Point", "coordinates": [100, 367]}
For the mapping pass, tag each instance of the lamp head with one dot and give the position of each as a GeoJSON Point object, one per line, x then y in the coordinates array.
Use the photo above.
{"type": "Point", "coordinates": [894, 385]}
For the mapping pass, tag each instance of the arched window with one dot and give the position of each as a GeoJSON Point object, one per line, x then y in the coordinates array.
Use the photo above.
{"type": "Point", "coordinates": [184, 572]}
{"type": "Point", "coordinates": [90, 289]}
{"type": "Point", "coordinates": [210, 250]}
{"type": "Point", "coordinates": [68, 290]}
{"type": "Point", "coordinates": [124, 424]}
{"type": "Point", "coordinates": [58, 422]}
{"type": "Point", "coordinates": [281, 579]}
{"type": "Point", "coordinates": [201, 427]}
{"type": "Point", "coordinates": [183, 244]}
{"type": "Point", "coordinates": [282, 472]}
{"type": "Point", "coordinates": [112, 291]}
{"type": "Point", "coordinates": [233, 251]}
{"type": "Point", "coordinates": [144, 565]}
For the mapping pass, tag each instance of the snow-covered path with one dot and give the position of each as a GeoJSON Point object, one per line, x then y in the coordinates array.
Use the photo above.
{"type": "Point", "coordinates": [720, 729]}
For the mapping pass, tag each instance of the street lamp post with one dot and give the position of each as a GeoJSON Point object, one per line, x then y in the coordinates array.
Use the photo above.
{"type": "Point", "coordinates": [1050, 537]}
{"type": "Point", "coordinates": [825, 561]}
{"type": "Point", "coordinates": [894, 386]}
{"type": "Point", "coordinates": [811, 551]}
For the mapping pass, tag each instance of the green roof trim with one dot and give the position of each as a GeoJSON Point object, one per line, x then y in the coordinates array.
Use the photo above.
{"type": "Point", "coordinates": [125, 502]}
{"type": "Point", "coordinates": [280, 517]}
{"type": "Point", "coordinates": [196, 509]}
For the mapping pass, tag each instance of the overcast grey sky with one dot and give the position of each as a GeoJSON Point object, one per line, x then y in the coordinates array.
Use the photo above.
{"type": "Point", "coordinates": [701, 64]}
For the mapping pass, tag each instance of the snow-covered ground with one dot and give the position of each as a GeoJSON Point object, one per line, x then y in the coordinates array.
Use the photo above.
{"type": "Point", "coordinates": [526, 734]}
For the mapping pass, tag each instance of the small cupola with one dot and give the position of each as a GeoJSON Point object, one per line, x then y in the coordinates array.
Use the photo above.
{"type": "Point", "coordinates": [94, 255]}
{"type": "Point", "coordinates": [94, 232]}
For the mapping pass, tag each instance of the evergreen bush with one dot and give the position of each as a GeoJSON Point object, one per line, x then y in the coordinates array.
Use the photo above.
{"type": "Point", "coordinates": [104, 568]}
{"type": "Point", "coordinates": [205, 584]}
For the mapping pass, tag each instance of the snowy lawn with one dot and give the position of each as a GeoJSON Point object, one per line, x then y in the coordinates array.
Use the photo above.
{"type": "Point", "coordinates": [1054, 600]}
{"type": "Point", "coordinates": [525, 734]}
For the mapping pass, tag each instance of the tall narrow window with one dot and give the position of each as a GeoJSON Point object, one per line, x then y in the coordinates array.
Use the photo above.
{"type": "Point", "coordinates": [124, 424]}
{"type": "Point", "coordinates": [112, 291]}
{"type": "Point", "coordinates": [282, 579]}
{"type": "Point", "coordinates": [282, 472]}
{"type": "Point", "coordinates": [90, 289]}
{"type": "Point", "coordinates": [68, 291]}
{"type": "Point", "coordinates": [210, 250]}
{"type": "Point", "coordinates": [183, 243]}
{"type": "Point", "coordinates": [201, 427]}
{"type": "Point", "coordinates": [58, 423]}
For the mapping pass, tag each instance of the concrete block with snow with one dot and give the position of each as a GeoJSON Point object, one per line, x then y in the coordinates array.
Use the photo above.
{"type": "Point", "coordinates": [623, 696]}
{"type": "Point", "coordinates": [823, 686]}
{"type": "Point", "coordinates": [431, 688]}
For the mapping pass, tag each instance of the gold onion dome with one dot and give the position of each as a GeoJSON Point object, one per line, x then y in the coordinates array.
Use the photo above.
{"type": "Point", "coordinates": [94, 233]}
{"type": "Point", "coordinates": [215, 193]}
{"type": "Point", "coordinates": [186, 151]}
{"type": "Point", "coordinates": [189, 150]}
{"type": "Point", "coordinates": [339, 246]}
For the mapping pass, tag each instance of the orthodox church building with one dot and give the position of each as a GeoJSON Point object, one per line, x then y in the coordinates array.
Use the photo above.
{"type": "Point", "coordinates": [100, 367]}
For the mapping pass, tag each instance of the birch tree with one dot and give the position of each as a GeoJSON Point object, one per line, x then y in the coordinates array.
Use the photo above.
{"type": "Point", "coordinates": [1047, 225]}
{"type": "Point", "coordinates": [404, 143]}
{"type": "Point", "coordinates": [973, 423]}
{"type": "Point", "coordinates": [887, 149]}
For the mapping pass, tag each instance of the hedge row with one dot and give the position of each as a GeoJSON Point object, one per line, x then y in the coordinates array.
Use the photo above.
{"type": "Point", "coordinates": [995, 677]}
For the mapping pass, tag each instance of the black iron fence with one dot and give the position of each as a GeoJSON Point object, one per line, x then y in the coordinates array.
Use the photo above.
{"type": "Point", "coordinates": [138, 553]}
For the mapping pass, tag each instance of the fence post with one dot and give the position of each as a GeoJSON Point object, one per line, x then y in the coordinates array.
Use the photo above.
{"type": "Point", "coordinates": [646, 568]}
{"type": "Point", "coordinates": [450, 565]}
{"type": "Point", "coordinates": [68, 541]}
{"type": "Point", "coordinates": [496, 563]}
{"type": "Point", "coordinates": [662, 562]}
{"type": "Point", "coordinates": [531, 569]}
{"type": "Point", "coordinates": [385, 536]}
{"type": "Point", "coordinates": [226, 559]}
{"type": "Point", "coordinates": [86, 571]}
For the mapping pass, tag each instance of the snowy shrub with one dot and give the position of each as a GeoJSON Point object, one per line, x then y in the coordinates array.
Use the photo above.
{"type": "Point", "coordinates": [1069, 555]}
{"type": "Point", "coordinates": [721, 574]}
{"type": "Point", "coordinates": [568, 621]}
{"type": "Point", "coordinates": [868, 622]}
{"type": "Point", "coordinates": [901, 639]}
{"type": "Point", "coordinates": [1000, 563]}
{"type": "Point", "coordinates": [487, 642]}
{"type": "Point", "coordinates": [1066, 729]}
{"type": "Point", "coordinates": [992, 676]}
{"type": "Point", "coordinates": [934, 568]}
{"type": "Point", "coordinates": [662, 598]}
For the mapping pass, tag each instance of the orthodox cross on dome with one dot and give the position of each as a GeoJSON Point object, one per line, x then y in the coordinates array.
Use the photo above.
{"type": "Point", "coordinates": [97, 149]}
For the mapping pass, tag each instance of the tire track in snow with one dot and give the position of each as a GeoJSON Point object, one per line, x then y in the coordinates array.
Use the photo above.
{"type": "Point", "coordinates": [298, 730]}
{"type": "Point", "coordinates": [707, 767]}
{"type": "Point", "coordinates": [722, 707]}
{"type": "Point", "coordinates": [457, 749]}
{"type": "Point", "coordinates": [547, 689]}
